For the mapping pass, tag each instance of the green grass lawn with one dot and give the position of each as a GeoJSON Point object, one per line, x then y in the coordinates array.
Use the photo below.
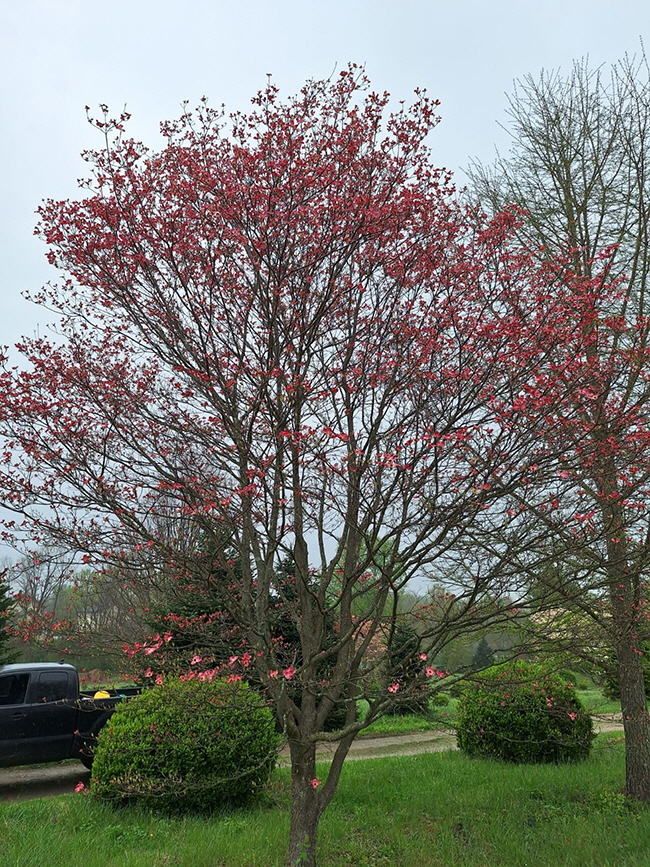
{"type": "Point", "coordinates": [416, 811]}
{"type": "Point", "coordinates": [595, 702]}
{"type": "Point", "coordinates": [439, 718]}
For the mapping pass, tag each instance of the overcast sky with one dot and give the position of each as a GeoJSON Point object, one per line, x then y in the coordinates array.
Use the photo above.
{"type": "Point", "coordinates": [59, 55]}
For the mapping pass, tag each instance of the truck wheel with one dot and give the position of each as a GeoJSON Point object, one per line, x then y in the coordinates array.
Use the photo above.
{"type": "Point", "coordinates": [89, 741]}
{"type": "Point", "coordinates": [87, 751]}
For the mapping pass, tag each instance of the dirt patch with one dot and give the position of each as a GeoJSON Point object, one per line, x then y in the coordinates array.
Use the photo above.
{"type": "Point", "coordinates": [385, 746]}
{"type": "Point", "coordinates": [23, 784]}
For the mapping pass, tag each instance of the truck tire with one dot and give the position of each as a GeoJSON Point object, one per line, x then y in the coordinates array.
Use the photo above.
{"type": "Point", "coordinates": [86, 760]}
{"type": "Point", "coordinates": [86, 753]}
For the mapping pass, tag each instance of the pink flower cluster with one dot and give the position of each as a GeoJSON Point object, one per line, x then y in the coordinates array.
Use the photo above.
{"type": "Point", "coordinates": [148, 649]}
{"type": "Point", "coordinates": [207, 675]}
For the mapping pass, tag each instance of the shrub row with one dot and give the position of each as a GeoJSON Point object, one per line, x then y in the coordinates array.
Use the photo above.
{"type": "Point", "coordinates": [198, 745]}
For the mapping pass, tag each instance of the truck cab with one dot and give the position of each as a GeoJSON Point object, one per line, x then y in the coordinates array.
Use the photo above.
{"type": "Point", "coordinates": [38, 712]}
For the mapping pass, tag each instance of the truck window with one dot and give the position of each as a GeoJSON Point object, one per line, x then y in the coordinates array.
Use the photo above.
{"type": "Point", "coordinates": [13, 688]}
{"type": "Point", "coordinates": [51, 686]}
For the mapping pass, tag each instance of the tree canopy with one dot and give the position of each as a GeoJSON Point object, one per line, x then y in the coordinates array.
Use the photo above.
{"type": "Point", "coordinates": [282, 330]}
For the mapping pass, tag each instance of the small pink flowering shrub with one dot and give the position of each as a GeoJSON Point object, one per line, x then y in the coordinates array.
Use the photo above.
{"type": "Point", "coordinates": [520, 713]}
{"type": "Point", "coordinates": [190, 745]}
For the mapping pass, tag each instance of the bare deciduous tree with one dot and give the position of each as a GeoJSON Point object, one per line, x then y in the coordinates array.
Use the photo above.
{"type": "Point", "coordinates": [579, 167]}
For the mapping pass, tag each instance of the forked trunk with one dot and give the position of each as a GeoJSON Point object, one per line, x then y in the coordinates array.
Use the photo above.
{"type": "Point", "coordinates": [635, 720]}
{"type": "Point", "coordinates": [306, 806]}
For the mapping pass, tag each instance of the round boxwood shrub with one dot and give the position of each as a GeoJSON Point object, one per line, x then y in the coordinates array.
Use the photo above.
{"type": "Point", "coordinates": [186, 745]}
{"type": "Point", "coordinates": [520, 713]}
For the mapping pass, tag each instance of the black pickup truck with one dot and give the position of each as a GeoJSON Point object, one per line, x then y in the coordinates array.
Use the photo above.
{"type": "Point", "coordinates": [44, 717]}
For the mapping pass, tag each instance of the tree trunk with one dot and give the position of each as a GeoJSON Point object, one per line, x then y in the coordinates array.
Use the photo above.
{"type": "Point", "coordinates": [306, 806]}
{"type": "Point", "coordinates": [635, 719]}
{"type": "Point", "coordinates": [625, 600]}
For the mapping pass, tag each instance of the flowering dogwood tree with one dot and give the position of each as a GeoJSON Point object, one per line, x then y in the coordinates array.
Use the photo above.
{"type": "Point", "coordinates": [281, 330]}
{"type": "Point", "coordinates": [579, 166]}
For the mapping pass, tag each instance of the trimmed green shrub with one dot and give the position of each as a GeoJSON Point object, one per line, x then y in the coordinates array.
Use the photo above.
{"type": "Point", "coordinates": [186, 745]}
{"type": "Point", "coordinates": [519, 713]}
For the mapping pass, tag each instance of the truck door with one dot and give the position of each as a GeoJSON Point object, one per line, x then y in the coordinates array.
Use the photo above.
{"type": "Point", "coordinates": [50, 717]}
{"type": "Point", "coordinates": [13, 691]}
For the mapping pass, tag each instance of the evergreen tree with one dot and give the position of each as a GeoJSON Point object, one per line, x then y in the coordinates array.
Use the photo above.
{"type": "Point", "coordinates": [7, 655]}
{"type": "Point", "coordinates": [482, 655]}
{"type": "Point", "coordinates": [404, 665]}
